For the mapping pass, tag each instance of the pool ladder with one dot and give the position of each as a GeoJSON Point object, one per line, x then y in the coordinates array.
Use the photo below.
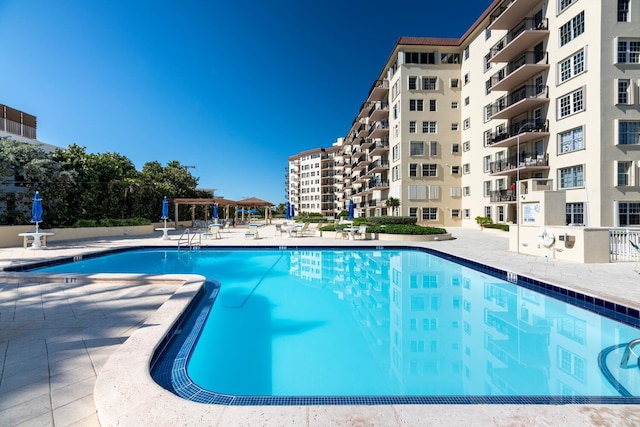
{"type": "Point", "coordinates": [628, 351]}
{"type": "Point", "coordinates": [189, 240]}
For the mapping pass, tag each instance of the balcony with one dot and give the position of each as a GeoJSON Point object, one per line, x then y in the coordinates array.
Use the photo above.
{"type": "Point", "coordinates": [518, 71]}
{"type": "Point", "coordinates": [508, 16]}
{"type": "Point", "coordinates": [525, 34]}
{"type": "Point", "coordinates": [529, 162]}
{"type": "Point", "coordinates": [527, 133]}
{"type": "Point", "coordinates": [503, 196]}
{"type": "Point", "coordinates": [519, 101]}
{"type": "Point", "coordinates": [379, 166]}
{"type": "Point", "coordinates": [379, 90]}
{"type": "Point", "coordinates": [379, 148]}
{"type": "Point", "coordinates": [362, 165]}
{"type": "Point", "coordinates": [380, 111]}
{"type": "Point", "coordinates": [379, 129]}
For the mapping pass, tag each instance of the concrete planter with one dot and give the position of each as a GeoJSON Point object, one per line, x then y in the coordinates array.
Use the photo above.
{"type": "Point", "coordinates": [396, 237]}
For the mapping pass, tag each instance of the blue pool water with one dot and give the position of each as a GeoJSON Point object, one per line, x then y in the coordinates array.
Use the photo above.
{"type": "Point", "coordinates": [381, 323]}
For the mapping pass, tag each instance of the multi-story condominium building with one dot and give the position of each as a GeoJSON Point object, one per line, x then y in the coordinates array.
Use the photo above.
{"type": "Point", "coordinates": [535, 96]}
{"type": "Point", "coordinates": [310, 181]}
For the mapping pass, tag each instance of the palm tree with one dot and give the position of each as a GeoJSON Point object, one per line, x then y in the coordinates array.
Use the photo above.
{"type": "Point", "coordinates": [393, 203]}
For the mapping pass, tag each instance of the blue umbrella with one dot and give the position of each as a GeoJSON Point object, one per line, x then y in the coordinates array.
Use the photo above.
{"type": "Point", "coordinates": [215, 210]}
{"type": "Point", "coordinates": [292, 214]}
{"type": "Point", "coordinates": [254, 211]}
{"type": "Point", "coordinates": [36, 210]}
{"type": "Point", "coordinates": [287, 213]}
{"type": "Point", "coordinates": [165, 208]}
{"type": "Point", "coordinates": [350, 210]}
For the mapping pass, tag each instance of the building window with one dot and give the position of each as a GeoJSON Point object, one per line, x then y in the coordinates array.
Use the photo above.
{"type": "Point", "coordinates": [454, 83]}
{"type": "Point", "coordinates": [454, 126]}
{"type": "Point", "coordinates": [466, 146]}
{"type": "Point", "coordinates": [416, 105]}
{"type": "Point", "coordinates": [571, 103]}
{"type": "Point", "coordinates": [624, 92]}
{"type": "Point", "coordinates": [466, 213]}
{"type": "Point", "coordinates": [467, 79]}
{"type": "Point", "coordinates": [466, 168]}
{"type": "Point", "coordinates": [455, 148]}
{"type": "Point", "coordinates": [467, 123]}
{"type": "Point", "coordinates": [487, 188]}
{"type": "Point", "coordinates": [574, 213]}
{"type": "Point", "coordinates": [624, 174]}
{"type": "Point", "coordinates": [413, 82]}
{"type": "Point", "coordinates": [413, 169]}
{"type": "Point", "coordinates": [488, 139]}
{"type": "Point", "coordinates": [420, 58]}
{"type": "Point", "coordinates": [395, 173]}
{"type": "Point", "coordinates": [466, 52]}
{"type": "Point", "coordinates": [416, 148]}
{"type": "Point", "coordinates": [454, 105]}
{"type": "Point", "coordinates": [572, 29]}
{"type": "Point", "coordinates": [623, 10]}
{"type": "Point", "coordinates": [629, 51]}
{"type": "Point", "coordinates": [413, 212]}
{"type": "Point", "coordinates": [572, 66]}
{"type": "Point", "coordinates": [487, 163]}
{"type": "Point", "coordinates": [466, 101]}
{"type": "Point", "coordinates": [563, 4]}
{"type": "Point", "coordinates": [395, 152]}
{"type": "Point", "coordinates": [572, 177]}
{"type": "Point", "coordinates": [571, 140]}
{"type": "Point", "coordinates": [430, 83]}
{"type": "Point", "coordinates": [500, 213]}
{"type": "Point", "coordinates": [449, 58]}
{"type": "Point", "coordinates": [455, 213]}
{"type": "Point", "coordinates": [412, 126]}
{"type": "Point", "coordinates": [466, 191]}
{"type": "Point", "coordinates": [432, 105]}
{"type": "Point", "coordinates": [628, 133]}
{"type": "Point", "coordinates": [487, 211]}
{"type": "Point", "coordinates": [428, 127]}
{"type": "Point", "coordinates": [429, 169]}
{"type": "Point", "coordinates": [433, 148]}
{"type": "Point", "coordinates": [429, 214]}
{"type": "Point", "coordinates": [488, 112]}
{"type": "Point", "coordinates": [455, 170]}
{"type": "Point", "coordinates": [628, 213]}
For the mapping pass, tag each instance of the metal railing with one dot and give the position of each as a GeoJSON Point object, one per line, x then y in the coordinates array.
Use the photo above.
{"type": "Point", "coordinates": [189, 240]}
{"type": "Point", "coordinates": [620, 248]}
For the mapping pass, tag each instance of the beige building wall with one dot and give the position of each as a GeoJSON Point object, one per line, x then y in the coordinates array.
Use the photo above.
{"type": "Point", "coordinates": [541, 100]}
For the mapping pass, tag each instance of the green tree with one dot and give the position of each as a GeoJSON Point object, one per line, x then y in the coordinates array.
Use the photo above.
{"type": "Point", "coordinates": [393, 203]}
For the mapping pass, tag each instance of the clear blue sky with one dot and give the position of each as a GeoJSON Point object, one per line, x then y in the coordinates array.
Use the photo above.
{"type": "Point", "coordinates": [230, 87]}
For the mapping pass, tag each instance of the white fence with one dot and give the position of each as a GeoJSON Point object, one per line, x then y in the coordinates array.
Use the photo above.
{"type": "Point", "coordinates": [620, 248]}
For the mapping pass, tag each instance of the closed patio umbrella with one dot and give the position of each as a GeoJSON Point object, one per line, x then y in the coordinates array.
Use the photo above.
{"type": "Point", "coordinates": [165, 210]}
{"type": "Point", "coordinates": [215, 212]}
{"type": "Point", "coordinates": [36, 210]}
{"type": "Point", "coordinates": [287, 213]}
{"type": "Point", "coordinates": [351, 210]}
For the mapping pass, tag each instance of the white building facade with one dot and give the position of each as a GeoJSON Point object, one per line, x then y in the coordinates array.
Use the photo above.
{"type": "Point", "coordinates": [535, 96]}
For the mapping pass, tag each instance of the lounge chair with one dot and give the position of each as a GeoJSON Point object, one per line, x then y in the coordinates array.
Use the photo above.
{"type": "Point", "coordinates": [278, 229]}
{"type": "Point", "coordinates": [252, 232]}
{"type": "Point", "coordinates": [300, 229]}
{"type": "Point", "coordinates": [361, 231]}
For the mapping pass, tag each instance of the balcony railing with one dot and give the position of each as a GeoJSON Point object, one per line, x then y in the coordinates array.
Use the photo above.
{"type": "Point", "coordinates": [518, 128]}
{"type": "Point", "coordinates": [16, 128]}
{"type": "Point", "coordinates": [378, 164]}
{"type": "Point", "coordinates": [523, 161]}
{"type": "Point", "coordinates": [527, 24]}
{"type": "Point", "coordinates": [523, 92]}
{"type": "Point", "coordinates": [526, 58]}
{"type": "Point", "coordinates": [501, 196]}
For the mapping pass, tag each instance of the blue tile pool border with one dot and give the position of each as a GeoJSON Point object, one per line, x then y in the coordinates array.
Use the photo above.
{"type": "Point", "coordinates": [170, 359]}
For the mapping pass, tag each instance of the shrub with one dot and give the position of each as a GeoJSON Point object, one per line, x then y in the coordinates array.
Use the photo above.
{"type": "Point", "coordinates": [503, 227]}
{"type": "Point", "coordinates": [387, 220]}
{"type": "Point", "coordinates": [111, 222]}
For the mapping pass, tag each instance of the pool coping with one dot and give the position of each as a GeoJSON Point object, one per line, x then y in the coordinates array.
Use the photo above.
{"type": "Point", "coordinates": [126, 394]}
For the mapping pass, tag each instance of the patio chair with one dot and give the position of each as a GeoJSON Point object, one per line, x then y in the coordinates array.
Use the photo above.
{"type": "Point", "coordinates": [361, 231]}
{"type": "Point", "coordinates": [278, 229]}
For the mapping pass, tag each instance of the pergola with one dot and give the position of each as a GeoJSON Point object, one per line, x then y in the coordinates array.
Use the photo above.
{"type": "Point", "coordinates": [251, 202]}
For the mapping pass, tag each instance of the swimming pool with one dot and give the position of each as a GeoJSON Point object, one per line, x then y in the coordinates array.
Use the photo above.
{"type": "Point", "coordinates": [423, 327]}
